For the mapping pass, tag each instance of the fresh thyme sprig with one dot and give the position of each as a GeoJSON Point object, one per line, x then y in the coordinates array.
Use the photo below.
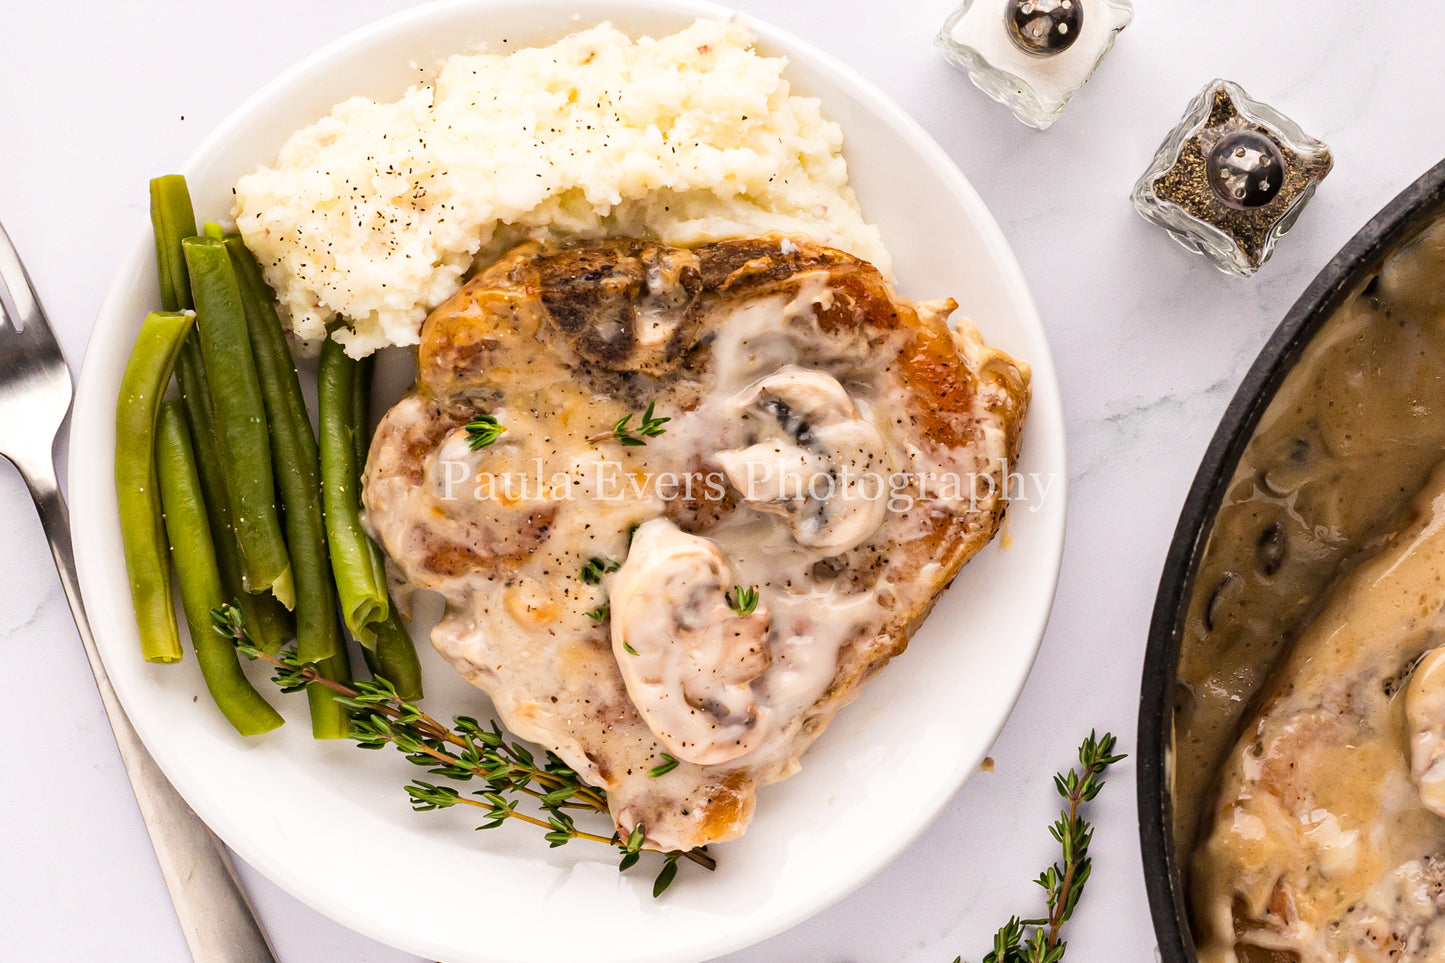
{"type": "Point", "coordinates": [1063, 882]}
{"type": "Point", "coordinates": [462, 752]}
{"type": "Point", "coordinates": [483, 431]}
{"type": "Point", "coordinates": [742, 600]}
{"type": "Point", "coordinates": [600, 613]}
{"type": "Point", "coordinates": [648, 427]}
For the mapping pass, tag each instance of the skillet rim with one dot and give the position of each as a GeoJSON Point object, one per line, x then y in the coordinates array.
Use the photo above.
{"type": "Point", "coordinates": [1347, 272]}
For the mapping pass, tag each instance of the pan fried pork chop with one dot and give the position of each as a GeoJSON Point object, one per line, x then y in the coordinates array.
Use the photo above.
{"type": "Point", "coordinates": [830, 446]}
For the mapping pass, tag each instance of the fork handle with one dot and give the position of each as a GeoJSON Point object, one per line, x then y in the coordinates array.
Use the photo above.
{"type": "Point", "coordinates": [217, 919]}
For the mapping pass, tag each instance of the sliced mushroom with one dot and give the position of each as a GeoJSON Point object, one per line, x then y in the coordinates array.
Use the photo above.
{"type": "Point", "coordinates": [496, 501]}
{"type": "Point", "coordinates": [818, 460]}
{"type": "Point", "coordinates": [687, 658]}
{"type": "Point", "coordinates": [1425, 719]}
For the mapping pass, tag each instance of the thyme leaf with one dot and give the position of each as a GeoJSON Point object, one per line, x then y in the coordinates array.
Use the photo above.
{"type": "Point", "coordinates": [483, 431]}
{"type": "Point", "coordinates": [742, 600]}
{"type": "Point", "coordinates": [598, 568]}
{"type": "Point", "coordinates": [633, 437]}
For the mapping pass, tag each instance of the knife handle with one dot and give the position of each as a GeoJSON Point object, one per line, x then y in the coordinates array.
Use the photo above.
{"type": "Point", "coordinates": [217, 920]}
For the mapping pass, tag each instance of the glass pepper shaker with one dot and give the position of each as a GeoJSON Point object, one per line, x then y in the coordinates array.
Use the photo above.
{"type": "Point", "coordinates": [1032, 55]}
{"type": "Point", "coordinates": [1231, 178]}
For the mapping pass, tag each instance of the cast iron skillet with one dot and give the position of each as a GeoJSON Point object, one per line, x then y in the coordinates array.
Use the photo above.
{"type": "Point", "coordinates": [1350, 270]}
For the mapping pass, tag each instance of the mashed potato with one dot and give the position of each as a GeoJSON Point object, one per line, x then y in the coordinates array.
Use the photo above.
{"type": "Point", "coordinates": [376, 213]}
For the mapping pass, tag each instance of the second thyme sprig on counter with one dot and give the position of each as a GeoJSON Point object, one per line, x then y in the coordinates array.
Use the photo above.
{"type": "Point", "coordinates": [464, 751]}
{"type": "Point", "coordinates": [1063, 882]}
{"type": "Point", "coordinates": [630, 436]}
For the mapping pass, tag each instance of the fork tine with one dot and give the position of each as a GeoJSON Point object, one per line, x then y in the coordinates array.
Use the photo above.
{"type": "Point", "coordinates": [20, 304]}
{"type": "Point", "coordinates": [9, 313]}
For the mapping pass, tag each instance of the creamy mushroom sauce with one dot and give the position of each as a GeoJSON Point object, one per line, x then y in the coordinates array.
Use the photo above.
{"type": "Point", "coordinates": [1299, 704]}
{"type": "Point", "coordinates": [777, 390]}
{"type": "Point", "coordinates": [813, 620]}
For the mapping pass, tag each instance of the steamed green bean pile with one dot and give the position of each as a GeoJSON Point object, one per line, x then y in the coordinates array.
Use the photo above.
{"type": "Point", "coordinates": [230, 485]}
{"type": "Point", "coordinates": [174, 221]}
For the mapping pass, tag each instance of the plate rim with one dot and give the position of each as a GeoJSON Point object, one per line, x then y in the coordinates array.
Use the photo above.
{"type": "Point", "coordinates": [1045, 411]}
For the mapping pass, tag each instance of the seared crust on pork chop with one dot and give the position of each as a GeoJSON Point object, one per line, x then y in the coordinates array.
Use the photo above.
{"type": "Point", "coordinates": [793, 377]}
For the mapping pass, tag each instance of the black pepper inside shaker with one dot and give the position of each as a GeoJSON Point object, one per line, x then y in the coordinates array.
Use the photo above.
{"type": "Point", "coordinates": [1231, 178]}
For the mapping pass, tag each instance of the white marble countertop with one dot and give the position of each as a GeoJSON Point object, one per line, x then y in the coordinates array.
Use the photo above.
{"type": "Point", "coordinates": [1150, 343]}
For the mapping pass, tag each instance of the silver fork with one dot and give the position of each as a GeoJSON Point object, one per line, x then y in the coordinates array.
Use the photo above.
{"type": "Point", "coordinates": [35, 392]}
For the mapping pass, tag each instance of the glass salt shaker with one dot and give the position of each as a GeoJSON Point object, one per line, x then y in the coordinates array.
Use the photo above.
{"type": "Point", "coordinates": [1231, 178]}
{"type": "Point", "coordinates": [1032, 55]}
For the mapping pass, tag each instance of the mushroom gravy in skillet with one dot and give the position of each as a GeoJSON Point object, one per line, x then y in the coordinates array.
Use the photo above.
{"type": "Point", "coordinates": [1309, 750]}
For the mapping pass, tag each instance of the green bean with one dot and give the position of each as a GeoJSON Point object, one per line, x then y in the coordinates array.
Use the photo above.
{"type": "Point", "coordinates": [395, 657]}
{"type": "Point", "coordinates": [361, 410]}
{"type": "Point", "coordinates": [270, 623]}
{"type": "Point", "coordinates": [273, 624]}
{"type": "Point", "coordinates": [329, 718]}
{"type": "Point", "coordinates": [240, 416]}
{"type": "Point", "coordinates": [318, 632]}
{"type": "Point", "coordinates": [266, 332]}
{"type": "Point", "coordinates": [355, 561]}
{"type": "Point", "coordinates": [173, 220]}
{"type": "Point", "coordinates": [147, 373]}
{"type": "Point", "coordinates": [200, 578]}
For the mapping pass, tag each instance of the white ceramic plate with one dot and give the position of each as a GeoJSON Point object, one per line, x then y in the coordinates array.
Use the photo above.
{"type": "Point", "coordinates": [297, 809]}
